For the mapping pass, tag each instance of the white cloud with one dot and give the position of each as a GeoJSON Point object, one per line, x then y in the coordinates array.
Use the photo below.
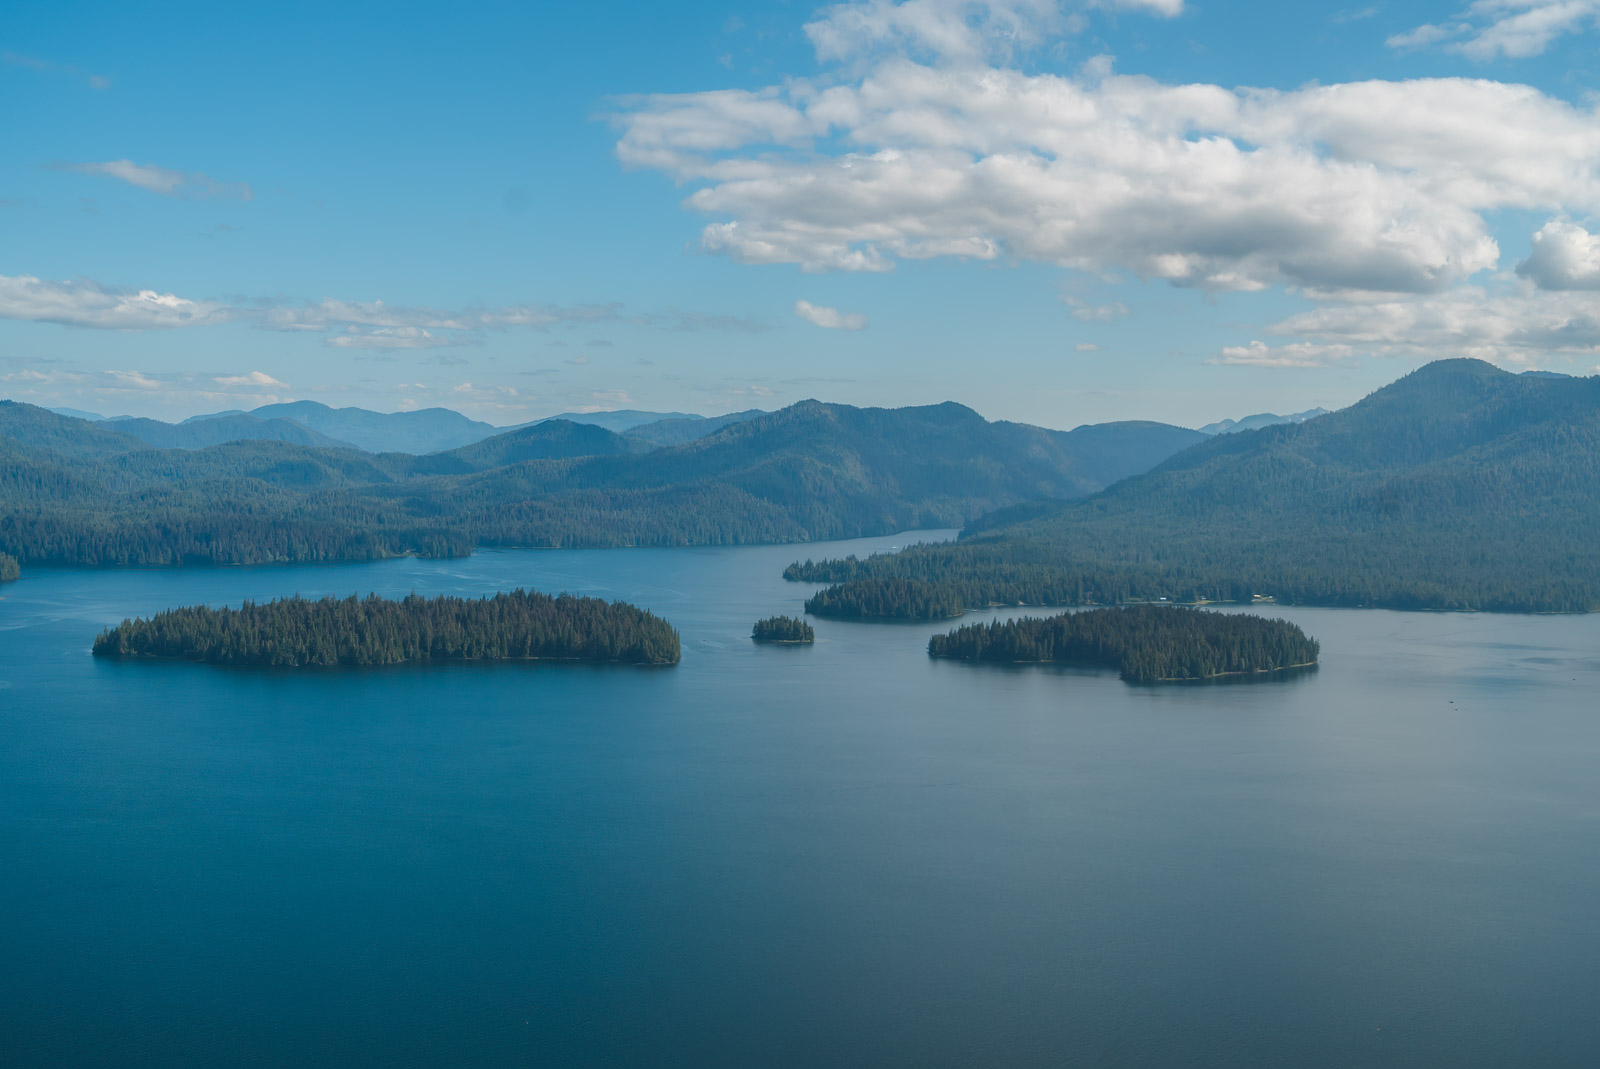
{"type": "Point", "coordinates": [252, 378]}
{"type": "Point", "coordinates": [1520, 326]}
{"type": "Point", "coordinates": [1298, 354]}
{"type": "Point", "coordinates": [162, 180]}
{"type": "Point", "coordinates": [391, 338]}
{"type": "Point", "coordinates": [960, 30]}
{"type": "Point", "coordinates": [1086, 347]}
{"type": "Point", "coordinates": [1564, 256]}
{"type": "Point", "coordinates": [1361, 186]}
{"type": "Point", "coordinates": [1513, 28]}
{"type": "Point", "coordinates": [17, 59]}
{"type": "Point", "coordinates": [87, 304]}
{"type": "Point", "coordinates": [1096, 313]}
{"type": "Point", "coordinates": [830, 318]}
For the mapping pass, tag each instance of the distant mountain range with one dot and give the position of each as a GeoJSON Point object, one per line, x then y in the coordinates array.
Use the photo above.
{"type": "Point", "coordinates": [1460, 486]}
{"type": "Point", "coordinates": [428, 430]}
{"type": "Point", "coordinates": [79, 492]}
{"type": "Point", "coordinates": [1259, 420]}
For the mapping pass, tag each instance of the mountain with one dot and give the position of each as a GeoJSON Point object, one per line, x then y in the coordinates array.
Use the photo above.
{"type": "Point", "coordinates": [199, 433]}
{"type": "Point", "coordinates": [1259, 420]}
{"type": "Point", "coordinates": [73, 492]}
{"type": "Point", "coordinates": [550, 439]}
{"type": "Point", "coordinates": [676, 431]}
{"type": "Point", "coordinates": [1458, 487]}
{"type": "Point", "coordinates": [77, 413]}
{"type": "Point", "coordinates": [426, 430]}
{"type": "Point", "coordinates": [622, 419]}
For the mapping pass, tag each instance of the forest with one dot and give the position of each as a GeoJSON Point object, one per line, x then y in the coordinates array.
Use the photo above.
{"type": "Point", "coordinates": [80, 493]}
{"type": "Point", "coordinates": [298, 632]}
{"type": "Point", "coordinates": [8, 568]}
{"type": "Point", "coordinates": [782, 629]}
{"type": "Point", "coordinates": [887, 598]}
{"type": "Point", "coordinates": [1146, 643]}
{"type": "Point", "coordinates": [1459, 487]}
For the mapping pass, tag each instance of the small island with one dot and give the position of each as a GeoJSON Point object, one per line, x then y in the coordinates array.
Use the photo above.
{"type": "Point", "coordinates": [1146, 643]}
{"type": "Point", "coordinates": [784, 629]}
{"type": "Point", "coordinates": [298, 632]}
{"type": "Point", "coordinates": [8, 568]}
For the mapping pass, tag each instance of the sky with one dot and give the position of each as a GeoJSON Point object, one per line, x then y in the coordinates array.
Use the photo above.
{"type": "Point", "coordinates": [1054, 212]}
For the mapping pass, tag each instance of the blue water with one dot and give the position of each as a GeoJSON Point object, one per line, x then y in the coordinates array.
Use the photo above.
{"type": "Point", "coordinates": [789, 856]}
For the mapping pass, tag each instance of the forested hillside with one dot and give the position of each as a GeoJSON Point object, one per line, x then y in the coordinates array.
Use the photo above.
{"type": "Point", "coordinates": [1458, 487]}
{"type": "Point", "coordinates": [73, 492]}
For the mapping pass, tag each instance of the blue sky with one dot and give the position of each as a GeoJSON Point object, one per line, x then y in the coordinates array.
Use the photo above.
{"type": "Point", "coordinates": [1054, 212]}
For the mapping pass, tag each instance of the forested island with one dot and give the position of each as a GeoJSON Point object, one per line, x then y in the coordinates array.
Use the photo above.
{"type": "Point", "coordinates": [1146, 643]}
{"type": "Point", "coordinates": [787, 629]}
{"type": "Point", "coordinates": [8, 568]}
{"type": "Point", "coordinates": [296, 632]}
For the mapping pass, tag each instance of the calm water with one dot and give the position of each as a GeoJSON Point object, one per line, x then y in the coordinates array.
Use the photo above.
{"type": "Point", "coordinates": [841, 855]}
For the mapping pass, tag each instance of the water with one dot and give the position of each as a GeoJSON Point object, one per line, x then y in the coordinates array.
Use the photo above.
{"type": "Point", "coordinates": [770, 856]}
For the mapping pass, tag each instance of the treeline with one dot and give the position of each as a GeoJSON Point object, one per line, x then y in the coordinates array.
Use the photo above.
{"type": "Point", "coordinates": [298, 631]}
{"type": "Point", "coordinates": [888, 598]}
{"type": "Point", "coordinates": [8, 568]}
{"type": "Point", "coordinates": [782, 629]}
{"type": "Point", "coordinates": [1146, 643]}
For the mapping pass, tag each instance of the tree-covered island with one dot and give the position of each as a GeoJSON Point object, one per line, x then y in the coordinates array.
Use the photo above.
{"type": "Point", "coordinates": [294, 632]}
{"type": "Point", "coordinates": [8, 568]}
{"type": "Point", "coordinates": [788, 629]}
{"type": "Point", "coordinates": [1146, 643]}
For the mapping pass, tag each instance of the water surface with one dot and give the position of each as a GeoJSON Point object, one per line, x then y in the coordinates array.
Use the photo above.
{"type": "Point", "coordinates": [840, 854]}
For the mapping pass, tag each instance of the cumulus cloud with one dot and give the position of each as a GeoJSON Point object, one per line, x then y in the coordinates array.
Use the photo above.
{"type": "Point", "coordinates": [162, 180]}
{"type": "Point", "coordinates": [829, 318]}
{"type": "Point", "coordinates": [87, 304]}
{"type": "Point", "coordinates": [1565, 256]}
{"type": "Point", "coordinates": [1513, 28]}
{"type": "Point", "coordinates": [1519, 326]}
{"type": "Point", "coordinates": [252, 378]}
{"type": "Point", "coordinates": [956, 29]}
{"type": "Point", "coordinates": [1363, 186]}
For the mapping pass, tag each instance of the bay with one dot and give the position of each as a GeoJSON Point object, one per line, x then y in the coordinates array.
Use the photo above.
{"type": "Point", "coordinates": [839, 854]}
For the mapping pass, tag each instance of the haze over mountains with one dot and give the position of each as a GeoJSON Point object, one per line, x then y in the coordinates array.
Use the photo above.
{"type": "Point", "coordinates": [78, 492]}
{"type": "Point", "coordinates": [434, 430]}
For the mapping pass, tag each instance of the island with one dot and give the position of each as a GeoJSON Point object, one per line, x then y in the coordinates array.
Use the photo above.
{"type": "Point", "coordinates": [783, 629]}
{"type": "Point", "coordinates": [1146, 643]}
{"type": "Point", "coordinates": [8, 568]}
{"type": "Point", "coordinates": [298, 632]}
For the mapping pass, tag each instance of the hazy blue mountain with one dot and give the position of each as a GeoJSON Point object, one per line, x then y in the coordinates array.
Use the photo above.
{"type": "Point", "coordinates": [1460, 486]}
{"type": "Point", "coordinates": [199, 433]}
{"type": "Point", "coordinates": [77, 413]}
{"type": "Point", "coordinates": [427, 430]}
{"type": "Point", "coordinates": [676, 431]}
{"type": "Point", "coordinates": [551, 439]}
{"type": "Point", "coordinates": [1259, 420]}
{"type": "Point", "coordinates": [81, 493]}
{"type": "Point", "coordinates": [622, 419]}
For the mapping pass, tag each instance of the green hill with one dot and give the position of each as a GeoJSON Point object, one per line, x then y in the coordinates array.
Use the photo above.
{"type": "Point", "coordinates": [1458, 487]}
